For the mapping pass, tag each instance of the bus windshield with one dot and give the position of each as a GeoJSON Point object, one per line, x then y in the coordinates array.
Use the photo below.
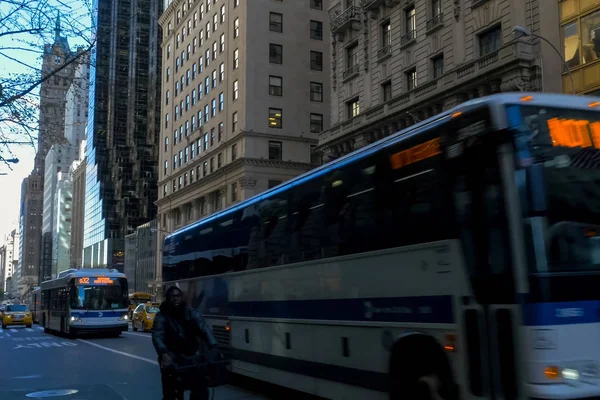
{"type": "Point", "coordinates": [567, 144]}
{"type": "Point", "coordinates": [100, 297]}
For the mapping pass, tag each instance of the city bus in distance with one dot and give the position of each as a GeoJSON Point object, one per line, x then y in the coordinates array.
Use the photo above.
{"type": "Point", "coordinates": [85, 301]}
{"type": "Point", "coordinates": [136, 299]}
{"type": "Point", "coordinates": [34, 302]}
{"type": "Point", "coordinates": [461, 253]}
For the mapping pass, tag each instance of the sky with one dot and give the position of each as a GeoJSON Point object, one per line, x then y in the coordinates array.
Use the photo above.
{"type": "Point", "coordinates": [10, 184]}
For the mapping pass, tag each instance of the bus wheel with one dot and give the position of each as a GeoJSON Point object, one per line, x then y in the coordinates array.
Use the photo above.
{"type": "Point", "coordinates": [420, 370]}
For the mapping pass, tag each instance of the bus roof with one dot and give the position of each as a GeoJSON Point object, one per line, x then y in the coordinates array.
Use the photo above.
{"type": "Point", "coordinates": [530, 98]}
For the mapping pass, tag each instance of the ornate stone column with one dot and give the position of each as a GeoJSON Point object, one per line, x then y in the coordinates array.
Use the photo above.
{"type": "Point", "coordinates": [248, 185]}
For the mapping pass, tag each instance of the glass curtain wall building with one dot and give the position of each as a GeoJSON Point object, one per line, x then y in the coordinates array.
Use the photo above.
{"type": "Point", "coordinates": [121, 158]}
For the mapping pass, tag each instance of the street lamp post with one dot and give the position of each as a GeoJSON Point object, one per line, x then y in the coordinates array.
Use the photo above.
{"type": "Point", "coordinates": [526, 32]}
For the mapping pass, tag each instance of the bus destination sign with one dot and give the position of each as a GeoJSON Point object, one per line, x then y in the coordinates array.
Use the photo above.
{"type": "Point", "coordinates": [96, 280]}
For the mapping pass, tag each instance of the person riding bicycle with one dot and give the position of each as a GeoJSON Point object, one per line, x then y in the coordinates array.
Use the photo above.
{"type": "Point", "coordinates": [175, 335]}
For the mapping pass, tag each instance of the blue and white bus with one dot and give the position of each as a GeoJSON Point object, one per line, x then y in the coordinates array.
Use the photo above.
{"type": "Point", "coordinates": [85, 301]}
{"type": "Point", "coordinates": [460, 255]}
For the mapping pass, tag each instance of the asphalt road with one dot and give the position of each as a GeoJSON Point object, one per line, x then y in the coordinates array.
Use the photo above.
{"type": "Point", "coordinates": [122, 368]}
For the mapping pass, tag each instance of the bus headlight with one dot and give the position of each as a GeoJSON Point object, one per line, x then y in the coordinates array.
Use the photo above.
{"type": "Point", "coordinates": [570, 374]}
{"type": "Point", "coordinates": [75, 319]}
{"type": "Point", "coordinates": [124, 317]}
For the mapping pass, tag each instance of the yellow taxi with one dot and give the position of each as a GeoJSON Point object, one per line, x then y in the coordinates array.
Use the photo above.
{"type": "Point", "coordinates": [16, 314]}
{"type": "Point", "coordinates": [143, 316]}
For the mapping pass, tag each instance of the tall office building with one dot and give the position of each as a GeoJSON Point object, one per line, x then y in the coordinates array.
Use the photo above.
{"type": "Point", "coordinates": [399, 62]}
{"type": "Point", "coordinates": [51, 131]}
{"type": "Point", "coordinates": [61, 228]}
{"type": "Point", "coordinates": [245, 94]}
{"type": "Point", "coordinates": [9, 256]}
{"type": "Point", "coordinates": [77, 170]}
{"type": "Point", "coordinates": [26, 275]}
{"type": "Point", "coordinates": [122, 131]}
{"type": "Point", "coordinates": [58, 160]}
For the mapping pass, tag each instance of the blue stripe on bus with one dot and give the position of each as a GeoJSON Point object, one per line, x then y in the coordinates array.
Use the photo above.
{"type": "Point", "coordinates": [564, 313]}
{"type": "Point", "coordinates": [422, 309]}
{"type": "Point", "coordinates": [98, 314]}
{"type": "Point", "coordinates": [373, 380]}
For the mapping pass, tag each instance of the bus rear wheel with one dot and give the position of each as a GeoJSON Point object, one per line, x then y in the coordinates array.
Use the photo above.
{"type": "Point", "coordinates": [420, 370]}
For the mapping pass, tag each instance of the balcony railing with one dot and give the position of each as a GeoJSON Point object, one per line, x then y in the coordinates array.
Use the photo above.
{"type": "Point", "coordinates": [350, 72]}
{"type": "Point", "coordinates": [345, 19]}
{"type": "Point", "coordinates": [384, 52]}
{"type": "Point", "coordinates": [435, 22]}
{"type": "Point", "coordinates": [408, 38]}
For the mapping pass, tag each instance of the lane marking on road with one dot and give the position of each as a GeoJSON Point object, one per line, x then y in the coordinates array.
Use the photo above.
{"type": "Point", "coordinates": [138, 334]}
{"type": "Point", "coordinates": [119, 352]}
{"type": "Point", "coordinates": [13, 330]}
{"type": "Point", "coordinates": [29, 329]}
{"type": "Point", "coordinates": [41, 328]}
{"type": "Point", "coordinates": [27, 377]}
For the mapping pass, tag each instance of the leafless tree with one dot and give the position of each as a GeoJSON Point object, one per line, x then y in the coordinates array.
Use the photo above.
{"type": "Point", "coordinates": [26, 27]}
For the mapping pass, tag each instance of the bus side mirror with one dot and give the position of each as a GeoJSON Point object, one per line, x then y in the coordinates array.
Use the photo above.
{"type": "Point", "coordinates": [536, 188]}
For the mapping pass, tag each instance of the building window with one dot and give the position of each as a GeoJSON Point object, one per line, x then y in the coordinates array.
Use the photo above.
{"type": "Point", "coordinates": [206, 85]}
{"type": "Point", "coordinates": [194, 71]}
{"type": "Point", "coordinates": [208, 30]}
{"type": "Point", "coordinates": [166, 120]}
{"type": "Point", "coordinates": [213, 108]}
{"type": "Point", "coordinates": [236, 58]}
{"type": "Point", "coordinates": [490, 41]}
{"type": "Point", "coordinates": [411, 22]}
{"type": "Point", "coordinates": [234, 121]}
{"type": "Point", "coordinates": [180, 158]}
{"type": "Point", "coordinates": [236, 3]}
{"type": "Point", "coordinates": [219, 160]}
{"type": "Point", "coordinates": [276, 53]}
{"type": "Point", "coordinates": [316, 4]}
{"type": "Point", "coordinates": [212, 136]}
{"type": "Point", "coordinates": [222, 13]}
{"type": "Point", "coordinates": [212, 165]}
{"type": "Point", "coordinates": [437, 65]}
{"type": "Point", "coordinates": [275, 22]}
{"type": "Point", "coordinates": [193, 123]}
{"type": "Point", "coordinates": [570, 36]}
{"type": "Point", "coordinates": [236, 28]}
{"type": "Point", "coordinates": [168, 51]}
{"type": "Point", "coordinates": [353, 108]}
{"type": "Point", "coordinates": [191, 175]}
{"type": "Point", "coordinates": [221, 130]}
{"type": "Point", "coordinates": [194, 45]}
{"type": "Point", "coordinates": [316, 123]}
{"type": "Point", "coordinates": [180, 182]}
{"type": "Point", "coordinates": [275, 118]}
{"type": "Point", "coordinates": [275, 152]}
{"type": "Point", "coordinates": [166, 168]}
{"type": "Point", "coordinates": [205, 168]}
{"type": "Point", "coordinates": [207, 58]}
{"type": "Point", "coordinates": [316, 92]}
{"type": "Point", "coordinates": [187, 128]}
{"type": "Point", "coordinates": [275, 86]}
{"type": "Point", "coordinates": [411, 79]}
{"type": "Point", "coordinates": [168, 73]}
{"type": "Point", "coordinates": [221, 72]}
{"type": "Point", "coordinates": [200, 91]}
{"type": "Point", "coordinates": [386, 34]}
{"type": "Point", "coordinates": [214, 51]}
{"type": "Point", "coordinates": [221, 101]}
{"type": "Point", "coordinates": [174, 161]}
{"type": "Point", "coordinates": [316, 30]}
{"type": "Point", "coordinates": [205, 141]}
{"type": "Point", "coordinates": [187, 154]}
{"type": "Point", "coordinates": [222, 43]}
{"type": "Point", "coordinates": [187, 102]}
{"type": "Point", "coordinates": [189, 50]}
{"type": "Point", "coordinates": [193, 151]}
{"type": "Point", "coordinates": [167, 96]}
{"type": "Point", "coordinates": [200, 64]}
{"type": "Point", "coordinates": [165, 190]}
{"type": "Point", "coordinates": [234, 197]}
{"type": "Point", "coordinates": [166, 143]}
{"type": "Point", "coordinates": [386, 90]}
{"type": "Point", "coordinates": [436, 8]}
{"type": "Point", "coordinates": [351, 56]}
{"type": "Point", "coordinates": [214, 79]}
{"type": "Point", "coordinates": [215, 22]}
{"type": "Point", "coordinates": [236, 89]}
{"type": "Point", "coordinates": [201, 38]}
{"type": "Point", "coordinates": [193, 97]}
{"type": "Point", "coordinates": [233, 152]}
{"type": "Point", "coordinates": [174, 185]}
{"type": "Point", "coordinates": [206, 113]}
{"type": "Point", "coordinates": [316, 60]}
{"type": "Point", "coordinates": [199, 146]}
